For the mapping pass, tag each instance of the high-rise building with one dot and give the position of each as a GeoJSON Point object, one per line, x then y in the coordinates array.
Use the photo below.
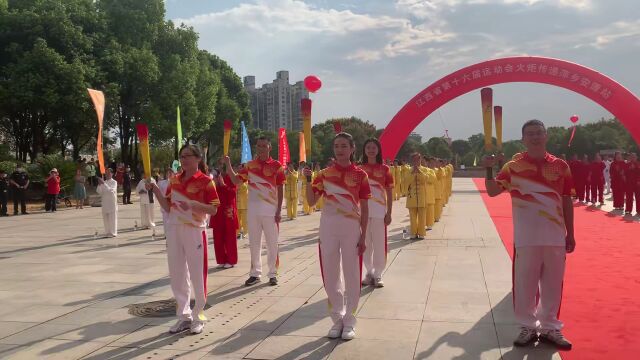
{"type": "Point", "coordinates": [277, 104]}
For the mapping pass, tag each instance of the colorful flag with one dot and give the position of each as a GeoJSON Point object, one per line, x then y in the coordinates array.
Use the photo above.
{"type": "Point", "coordinates": [303, 152]}
{"type": "Point", "coordinates": [179, 129]}
{"type": "Point", "coordinates": [497, 112]}
{"type": "Point", "coordinates": [337, 127]}
{"type": "Point", "coordinates": [306, 125]}
{"type": "Point", "coordinates": [246, 147]}
{"type": "Point", "coordinates": [97, 97]}
{"type": "Point", "coordinates": [486, 95]}
{"type": "Point", "coordinates": [283, 147]}
{"type": "Point", "coordinates": [226, 137]}
{"type": "Point", "coordinates": [143, 145]}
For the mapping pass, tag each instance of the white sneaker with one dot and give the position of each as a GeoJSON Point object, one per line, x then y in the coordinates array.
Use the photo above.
{"type": "Point", "coordinates": [378, 283]}
{"type": "Point", "coordinates": [197, 326]}
{"type": "Point", "coordinates": [180, 326]}
{"type": "Point", "coordinates": [220, 266]}
{"type": "Point", "coordinates": [335, 331]}
{"type": "Point", "coordinates": [227, 266]}
{"type": "Point", "coordinates": [348, 333]}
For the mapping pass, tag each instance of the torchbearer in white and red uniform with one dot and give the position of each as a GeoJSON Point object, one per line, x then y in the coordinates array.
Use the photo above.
{"type": "Point", "coordinates": [191, 195]}
{"type": "Point", "coordinates": [540, 188]}
{"type": "Point", "coordinates": [266, 190]}
{"type": "Point", "coordinates": [343, 228]}
{"type": "Point", "coordinates": [380, 206]}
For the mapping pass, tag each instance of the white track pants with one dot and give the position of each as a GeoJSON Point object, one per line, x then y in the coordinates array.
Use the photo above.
{"type": "Point", "coordinates": [187, 257]}
{"type": "Point", "coordinates": [146, 215]}
{"type": "Point", "coordinates": [110, 221]}
{"type": "Point", "coordinates": [338, 249]}
{"type": "Point", "coordinates": [258, 225]}
{"type": "Point", "coordinates": [375, 255]}
{"type": "Point", "coordinates": [537, 286]}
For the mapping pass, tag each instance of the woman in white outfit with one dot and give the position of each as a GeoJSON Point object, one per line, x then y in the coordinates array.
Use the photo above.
{"type": "Point", "coordinates": [108, 190]}
{"type": "Point", "coordinates": [343, 227]}
{"type": "Point", "coordinates": [146, 204]}
{"type": "Point", "coordinates": [163, 185]}
{"type": "Point", "coordinates": [191, 195]}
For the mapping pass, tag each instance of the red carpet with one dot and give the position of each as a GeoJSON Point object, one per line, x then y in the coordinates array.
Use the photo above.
{"type": "Point", "coordinates": [601, 302]}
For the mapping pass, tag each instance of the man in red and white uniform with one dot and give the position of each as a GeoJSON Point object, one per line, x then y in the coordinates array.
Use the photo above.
{"type": "Point", "coordinates": [266, 189]}
{"type": "Point", "coordinates": [540, 188]}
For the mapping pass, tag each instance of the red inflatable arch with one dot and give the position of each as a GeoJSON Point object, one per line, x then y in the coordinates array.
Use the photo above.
{"type": "Point", "coordinates": [619, 101]}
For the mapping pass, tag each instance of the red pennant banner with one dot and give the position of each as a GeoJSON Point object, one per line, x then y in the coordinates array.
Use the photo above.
{"type": "Point", "coordinates": [283, 147]}
{"type": "Point", "coordinates": [337, 127]}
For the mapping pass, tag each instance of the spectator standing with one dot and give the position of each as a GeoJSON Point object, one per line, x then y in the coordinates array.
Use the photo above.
{"type": "Point", "coordinates": [4, 192]}
{"type": "Point", "coordinates": [126, 186]}
{"type": "Point", "coordinates": [79, 190]}
{"type": "Point", "coordinates": [19, 182]}
{"type": "Point", "coordinates": [53, 189]}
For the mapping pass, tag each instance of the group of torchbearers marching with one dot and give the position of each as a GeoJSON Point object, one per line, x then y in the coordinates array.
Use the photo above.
{"type": "Point", "coordinates": [357, 209]}
{"type": "Point", "coordinates": [355, 199]}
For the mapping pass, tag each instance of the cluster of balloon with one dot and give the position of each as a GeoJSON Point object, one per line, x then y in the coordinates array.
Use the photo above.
{"type": "Point", "coordinates": [312, 83]}
{"type": "Point", "coordinates": [574, 119]}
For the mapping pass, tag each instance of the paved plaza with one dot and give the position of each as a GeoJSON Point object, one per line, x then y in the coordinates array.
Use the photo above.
{"type": "Point", "coordinates": [65, 294]}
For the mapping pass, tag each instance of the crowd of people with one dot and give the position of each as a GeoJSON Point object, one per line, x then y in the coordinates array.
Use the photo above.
{"type": "Point", "coordinates": [355, 199]}
{"type": "Point", "coordinates": [619, 177]}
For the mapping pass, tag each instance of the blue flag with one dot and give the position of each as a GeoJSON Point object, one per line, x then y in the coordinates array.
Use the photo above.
{"type": "Point", "coordinates": [246, 147]}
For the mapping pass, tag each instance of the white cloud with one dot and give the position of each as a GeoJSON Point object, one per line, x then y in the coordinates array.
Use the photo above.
{"type": "Point", "coordinates": [617, 31]}
{"type": "Point", "coordinates": [273, 18]}
{"type": "Point", "coordinates": [411, 40]}
{"type": "Point", "coordinates": [280, 16]}
{"type": "Point", "coordinates": [364, 55]}
{"type": "Point", "coordinates": [431, 8]}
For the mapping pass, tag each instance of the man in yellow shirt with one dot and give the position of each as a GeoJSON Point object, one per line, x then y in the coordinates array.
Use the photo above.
{"type": "Point", "coordinates": [397, 180]}
{"type": "Point", "coordinates": [450, 181]}
{"type": "Point", "coordinates": [416, 181]}
{"type": "Point", "coordinates": [404, 172]}
{"type": "Point", "coordinates": [440, 175]}
{"type": "Point", "coordinates": [430, 193]}
{"type": "Point", "coordinates": [291, 191]}
{"type": "Point", "coordinates": [306, 209]}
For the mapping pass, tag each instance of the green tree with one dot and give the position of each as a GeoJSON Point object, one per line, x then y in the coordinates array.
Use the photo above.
{"type": "Point", "coordinates": [323, 134]}
{"type": "Point", "coordinates": [460, 147]}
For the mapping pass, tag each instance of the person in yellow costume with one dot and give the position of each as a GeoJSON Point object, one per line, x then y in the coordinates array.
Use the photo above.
{"type": "Point", "coordinates": [430, 193]}
{"type": "Point", "coordinates": [397, 180]}
{"type": "Point", "coordinates": [446, 182]}
{"type": "Point", "coordinates": [320, 202]}
{"type": "Point", "coordinates": [404, 171]}
{"type": "Point", "coordinates": [306, 209]}
{"type": "Point", "coordinates": [291, 191]}
{"type": "Point", "coordinates": [242, 199]}
{"type": "Point", "coordinates": [450, 182]}
{"type": "Point", "coordinates": [440, 175]}
{"type": "Point", "coordinates": [416, 182]}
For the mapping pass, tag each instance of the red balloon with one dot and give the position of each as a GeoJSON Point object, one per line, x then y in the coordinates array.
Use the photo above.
{"type": "Point", "coordinates": [574, 119]}
{"type": "Point", "coordinates": [312, 83]}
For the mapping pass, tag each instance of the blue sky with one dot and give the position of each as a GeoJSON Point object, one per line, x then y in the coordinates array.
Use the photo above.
{"type": "Point", "coordinates": [373, 56]}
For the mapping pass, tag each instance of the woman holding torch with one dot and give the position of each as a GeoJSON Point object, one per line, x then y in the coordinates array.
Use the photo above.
{"type": "Point", "coordinates": [343, 228]}
{"type": "Point", "coordinates": [191, 195]}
